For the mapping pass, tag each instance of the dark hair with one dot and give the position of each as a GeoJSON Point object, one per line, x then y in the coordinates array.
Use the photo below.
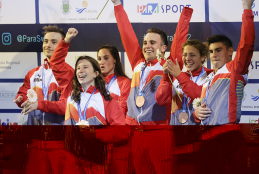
{"type": "Point", "coordinates": [201, 47]}
{"type": "Point", "coordinates": [53, 28]}
{"type": "Point", "coordinates": [220, 38]}
{"type": "Point", "coordinates": [118, 70]}
{"type": "Point", "coordinates": [160, 32]}
{"type": "Point", "coordinates": [99, 80]}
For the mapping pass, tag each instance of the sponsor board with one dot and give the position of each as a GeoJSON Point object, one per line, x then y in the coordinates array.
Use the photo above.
{"type": "Point", "coordinates": [76, 11]}
{"type": "Point", "coordinates": [15, 65]}
{"type": "Point", "coordinates": [17, 12]}
{"type": "Point", "coordinates": [12, 119]}
{"type": "Point", "coordinates": [230, 10]}
{"type": "Point", "coordinates": [251, 98]}
{"type": "Point", "coordinates": [254, 66]}
{"type": "Point", "coordinates": [8, 93]}
{"type": "Point", "coordinates": [154, 11]}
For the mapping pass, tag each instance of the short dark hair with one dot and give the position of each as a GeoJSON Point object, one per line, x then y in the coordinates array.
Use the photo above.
{"type": "Point", "coordinates": [118, 70]}
{"type": "Point", "coordinates": [160, 32]}
{"type": "Point", "coordinates": [220, 38]}
{"type": "Point", "coordinates": [54, 28]}
{"type": "Point", "coordinates": [202, 48]}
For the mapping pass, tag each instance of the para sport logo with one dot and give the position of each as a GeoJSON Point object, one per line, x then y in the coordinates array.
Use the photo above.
{"type": "Point", "coordinates": [148, 9]}
{"type": "Point", "coordinates": [151, 8]}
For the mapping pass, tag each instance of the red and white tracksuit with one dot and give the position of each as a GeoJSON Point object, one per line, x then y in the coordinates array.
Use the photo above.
{"type": "Point", "coordinates": [150, 145]}
{"type": "Point", "coordinates": [150, 113]}
{"type": "Point", "coordinates": [119, 90]}
{"type": "Point", "coordinates": [184, 84]}
{"type": "Point", "coordinates": [53, 109]}
{"type": "Point", "coordinates": [227, 84]}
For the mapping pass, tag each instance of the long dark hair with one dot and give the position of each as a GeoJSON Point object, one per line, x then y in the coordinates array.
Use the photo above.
{"type": "Point", "coordinates": [98, 81]}
{"type": "Point", "coordinates": [118, 70]}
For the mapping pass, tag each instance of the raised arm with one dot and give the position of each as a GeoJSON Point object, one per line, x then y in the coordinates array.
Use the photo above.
{"type": "Point", "coordinates": [245, 48]}
{"type": "Point", "coordinates": [128, 36]}
{"type": "Point", "coordinates": [180, 35]}
{"type": "Point", "coordinates": [62, 71]}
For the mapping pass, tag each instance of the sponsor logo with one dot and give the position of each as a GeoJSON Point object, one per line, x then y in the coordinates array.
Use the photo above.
{"type": "Point", "coordinates": [25, 38]}
{"type": "Point", "coordinates": [6, 38]}
{"type": "Point", "coordinates": [255, 98]}
{"type": "Point", "coordinates": [7, 123]}
{"type": "Point", "coordinates": [6, 95]}
{"type": "Point", "coordinates": [170, 38]}
{"type": "Point", "coordinates": [38, 78]}
{"type": "Point", "coordinates": [80, 10]}
{"type": "Point", "coordinates": [254, 64]}
{"type": "Point", "coordinates": [254, 12]}
{"type": "Point", "coordinates": [65, 7]}
{"type": "Point", "coordinates": [152, 8]}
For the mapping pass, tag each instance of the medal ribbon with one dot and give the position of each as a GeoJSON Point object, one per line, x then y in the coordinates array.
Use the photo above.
{"type": "Point", "coordinates": [142, 82]}
{"type": "Point", "coordinates": [185, 99]}
{"type": "Point", "coordinates": [110, 83]}
{"type": "Point", "coordinates": [207, 91]}
{"type": "Point", "coordinates": [45, 88]}
{"type": "Point", "coordinates": [83, 117]}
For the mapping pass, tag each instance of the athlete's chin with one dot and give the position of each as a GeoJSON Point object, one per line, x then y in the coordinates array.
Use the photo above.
{"type": "Point", "coordinates": [149, 58]}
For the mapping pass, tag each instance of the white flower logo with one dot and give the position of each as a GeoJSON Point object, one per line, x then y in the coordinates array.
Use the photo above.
{"type": "Point", "coordinates": [196, 103]}
{"type": "Point", "coordinates": [32, 95]}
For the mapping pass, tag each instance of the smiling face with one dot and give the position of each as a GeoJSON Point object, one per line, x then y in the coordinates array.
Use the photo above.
{"type": "Point", "coordinates": [192, 58]}
{"type": "Point", "coordinates": [85, 73]}
{"type": "Point", "coordinates": [51, 40]}
{"type": "Point", "coordinates": [106, 62]}
{"type": "Point", "coordinates": [151, 43]}
{"type": "Point", "coordinates": [219, 54]}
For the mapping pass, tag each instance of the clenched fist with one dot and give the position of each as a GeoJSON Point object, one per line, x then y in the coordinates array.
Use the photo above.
{"type": "Point", "coordinates": [71, 33]}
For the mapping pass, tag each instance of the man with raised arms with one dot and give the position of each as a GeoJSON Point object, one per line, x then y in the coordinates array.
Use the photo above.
{"type": "Point", "coordinates": [223, 91]}
{"type": "Point", "coordinates": [143, 109]}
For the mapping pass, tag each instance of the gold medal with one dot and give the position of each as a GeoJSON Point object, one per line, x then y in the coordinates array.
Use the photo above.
{"type": "Point", "coordinates": [183, 117]}
{"type": "Point", "coordinates": [140, 101]}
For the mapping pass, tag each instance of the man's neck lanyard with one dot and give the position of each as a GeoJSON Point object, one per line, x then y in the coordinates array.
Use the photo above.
{"type": "Point", "coordinates": [45, 89]}
{"type": "Point", "coordinates": [142, 81]}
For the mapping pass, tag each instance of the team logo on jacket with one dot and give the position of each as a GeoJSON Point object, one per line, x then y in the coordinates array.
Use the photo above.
{"type": "Point", "coordinates": [38, 78]}
{"type": "Point", "coordinates": [65, 7]}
